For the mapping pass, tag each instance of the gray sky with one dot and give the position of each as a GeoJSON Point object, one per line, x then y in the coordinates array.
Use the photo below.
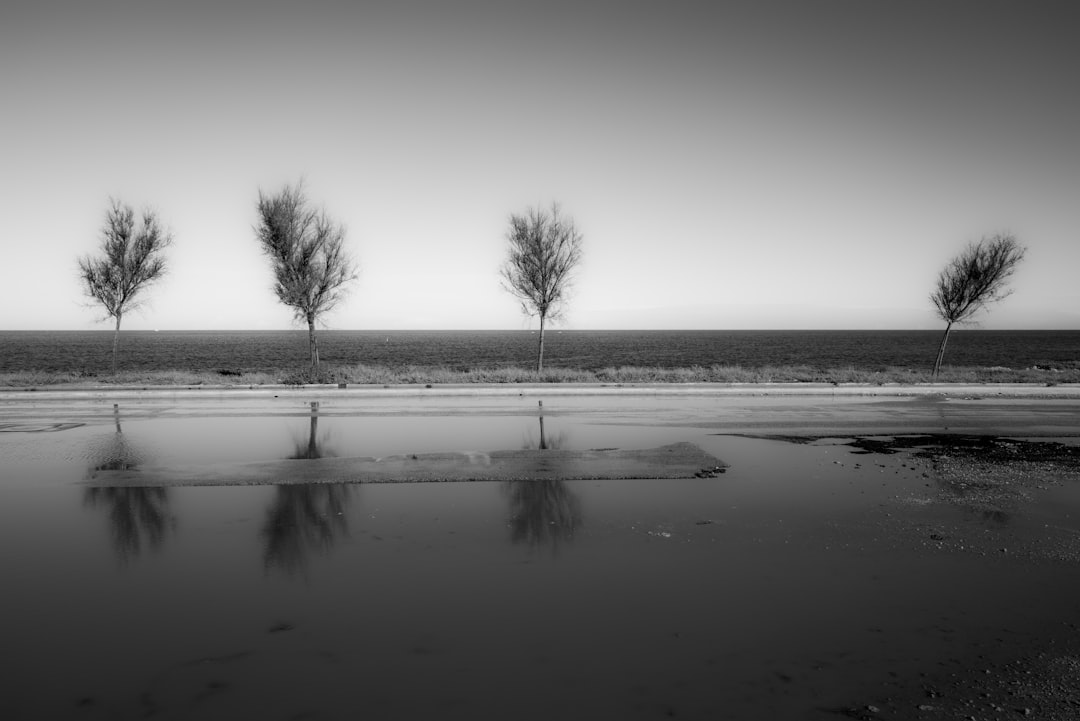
{"type": "Point", "coordinates": [776, 164]}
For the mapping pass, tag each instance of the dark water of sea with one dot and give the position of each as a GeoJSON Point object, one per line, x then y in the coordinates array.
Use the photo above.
{"type": "Point", "coordinates": [270, 350]}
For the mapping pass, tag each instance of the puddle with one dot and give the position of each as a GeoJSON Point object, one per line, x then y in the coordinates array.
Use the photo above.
{"type": "Point", "coordinates": [808, 580]}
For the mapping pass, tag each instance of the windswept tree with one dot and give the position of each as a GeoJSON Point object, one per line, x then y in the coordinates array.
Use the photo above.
{"type": "Point", "coordinates": [545, 248]}
{"type": "Point", "coordinates": [306, 250]}
{"type": "Point", "coordinates": [973, 279]}
{"type": "Point", "coordinates": [132, 257]}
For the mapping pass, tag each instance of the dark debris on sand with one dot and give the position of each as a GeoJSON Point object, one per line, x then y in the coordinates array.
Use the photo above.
{"type": "Point", "coordinates": [995, 477]}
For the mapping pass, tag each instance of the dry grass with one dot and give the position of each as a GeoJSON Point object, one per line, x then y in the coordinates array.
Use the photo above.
{"type": "Point", "coordinates": [406, 375]}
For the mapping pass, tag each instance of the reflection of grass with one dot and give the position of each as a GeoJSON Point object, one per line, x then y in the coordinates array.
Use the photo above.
{"type": "Point", "coordinates": [412, 374]}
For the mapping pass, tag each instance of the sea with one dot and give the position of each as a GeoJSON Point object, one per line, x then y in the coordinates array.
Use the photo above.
{"type": "Point", "coordinates": [90, 351]}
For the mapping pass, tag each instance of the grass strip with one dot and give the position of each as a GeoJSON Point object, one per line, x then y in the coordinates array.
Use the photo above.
{"type": "Point", "coordinates": [415, 374]}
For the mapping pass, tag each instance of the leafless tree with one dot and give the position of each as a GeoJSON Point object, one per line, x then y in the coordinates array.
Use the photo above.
{"type": "Point", "coordinates": [973, 279]}
{"type": "Point", "coordinates": [132, 257]}
{"type": "Point", "coordinates": [305, 247]}
{"type": "Point", "coordinates": [545, 248]}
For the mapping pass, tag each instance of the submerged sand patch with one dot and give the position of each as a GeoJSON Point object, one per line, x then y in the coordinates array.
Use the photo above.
{"type": "Point", "coordinates": [675, 460]}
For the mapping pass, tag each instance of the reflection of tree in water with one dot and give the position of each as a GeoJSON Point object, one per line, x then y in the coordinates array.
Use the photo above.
{"type": "Point", "coordinates": [546, 441]}
{"type": "Point", "coordinates": [312, 448]}
{"type": "Point", "coordinates": [139, 516]}
{"type": "Point", "coordinates": [302, 518]}
{"type": "Point", "coordinates": [543, 512]}
{"type": "Point", "coordinates": [113, 452]}
{"type": "Point", "coordinates": [305, 517]}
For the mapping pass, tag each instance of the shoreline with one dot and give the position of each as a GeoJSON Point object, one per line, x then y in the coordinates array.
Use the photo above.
{"type": "Point", "coordinates": [959, 390]}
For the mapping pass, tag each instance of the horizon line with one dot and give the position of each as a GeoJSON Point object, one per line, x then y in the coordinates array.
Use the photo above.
{"type": "Point", "coordinates": [534, 331]}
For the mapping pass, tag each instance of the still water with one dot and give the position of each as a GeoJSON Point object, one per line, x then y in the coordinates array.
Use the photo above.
{"type": "Point", "coordinates": [781, 588]}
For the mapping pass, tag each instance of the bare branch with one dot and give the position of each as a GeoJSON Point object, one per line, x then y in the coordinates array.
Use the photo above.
{"type": "Point", "coordinates": [976, 278]}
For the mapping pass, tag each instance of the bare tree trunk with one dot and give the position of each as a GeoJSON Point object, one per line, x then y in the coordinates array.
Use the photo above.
{"type": "Point", "coordinates": [115, 342]}
{"type": "Point", "coordinates": [540, 352]}
{"type": "Point", "coordinates": [941, 350]}
{"type": "Point", "coordinates": [313, 345]}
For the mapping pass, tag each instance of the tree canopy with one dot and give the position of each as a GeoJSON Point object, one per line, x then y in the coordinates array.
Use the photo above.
{"type": "Point", "coordinates": [976, 277]}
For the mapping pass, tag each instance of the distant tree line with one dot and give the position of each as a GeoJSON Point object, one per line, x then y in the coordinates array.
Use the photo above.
{"type": "Point", "coordinates": [312, 269]}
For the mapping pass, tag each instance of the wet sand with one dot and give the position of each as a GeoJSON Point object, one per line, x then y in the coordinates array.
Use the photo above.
{"type": "Point", "coordinates": [676, 460]}
{"type": "Point", "coordinates": [904, 555]}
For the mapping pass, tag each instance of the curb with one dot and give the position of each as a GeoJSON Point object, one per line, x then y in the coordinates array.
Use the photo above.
{"type": "Point", "coordinates": [942, 390]}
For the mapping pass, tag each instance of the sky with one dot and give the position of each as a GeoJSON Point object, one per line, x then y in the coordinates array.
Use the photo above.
{"type": "Point", "coordinates": [772, 164]}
